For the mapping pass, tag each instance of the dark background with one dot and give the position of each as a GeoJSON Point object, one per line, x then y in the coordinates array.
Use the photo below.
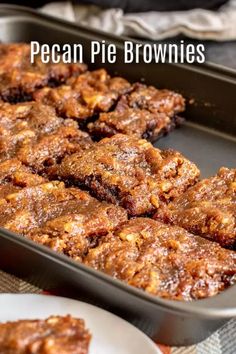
{"type": "Point", "coordinates": [137, 5]}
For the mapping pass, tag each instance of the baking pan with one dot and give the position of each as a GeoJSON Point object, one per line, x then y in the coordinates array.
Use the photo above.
{"type": "Point", "coordinates": [208, 138]}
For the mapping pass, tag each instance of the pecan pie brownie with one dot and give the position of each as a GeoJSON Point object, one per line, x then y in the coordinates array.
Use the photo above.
{"type": "Point", "coordinates": [207, 209]}
{"type": "Point", "coordinates": [15, 176]}
{"type": "Point", "coordinates": [36, 135]}
{"type": "Point", "coordinates": [164, 260]}
{"type": "Point", "coordinates": [56, 334]}
{"type": "Point", "coordinates": [145, 112]}
{"type": "Point", "coordinates": [65, 219]}
{"type": "Point", "coordinates": [19, 78]}
{"type": "Point", "coordinates": [84, 96]}
{"type": "Point", "coordinates": [129, 172]}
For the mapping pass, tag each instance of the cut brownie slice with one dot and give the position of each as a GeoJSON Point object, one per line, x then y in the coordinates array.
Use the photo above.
{"type": "Point", "coordinates": [145, 112]}
{"type": "Point", "coordinates": [19, 78]}
{"type": "Point", "coordinates": [79, 229]}
{"type": "Point", "coordinates": [130, 172]}
{"type": "Point", "coordinates": [31, 115]}
{"type": "Point", "coordinates": [154, 100]}
{"type": "Point", "coordinates": [37, 136]}
{"type": "Point", "coordinates": [29, 207]}
{"type": "Point", "coordinates": [207, 209]}
{"type": "Point", "coordinates": [164, 260]}
{"type": "Point", "coordinates": [8, 169]}
{"type": "Point", "coordinates": [49, 149]}
{"type": "Point", "coordinates": [23, 123]}
{"type": "Point", "coordinates": [56, 334]}
{"type": "Point", "coordinates": [69, 218]}
{"type": "Point", "coordinates": [85, 95]}
{"type": "Point", "coordinates": [12, 56]}
{"type": "Point", "coordinates": [14, 176]}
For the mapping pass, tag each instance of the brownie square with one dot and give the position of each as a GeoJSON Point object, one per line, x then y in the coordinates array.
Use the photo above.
{"type": "Point", "coordinates": [207, 209]}
{"type": "Point", "coordinates": [84, 96]}
{"type": "Point", "coordinates": [15, 176]}
{"type": "Point", "coordinates": [79, 226]}
{"type": "Point", "coordinates": [164, 260]}
{"type": "Point", "coordinates": [65, 219]}
{"type": "Point", "coordinates": [34, 134]}
{"type": "Point", "coordinates": [129, 172]}
{"type": "Point", "coordinates": [19, 78]}
{"type": "Point", "coordinates": [145, 112]}
{"type": "Point", "coordinates": [50, 149]}
{"type": "Point", "coordinates": [23, 123]}
{"type": "Point", "coordinates": [55, 334]}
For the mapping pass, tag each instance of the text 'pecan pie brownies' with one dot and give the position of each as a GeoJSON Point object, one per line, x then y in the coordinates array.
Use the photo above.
{"type": "Point", "coordinates": [130, 172]}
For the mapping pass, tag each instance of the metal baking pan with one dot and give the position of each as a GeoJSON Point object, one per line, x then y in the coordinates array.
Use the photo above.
{"type": "Point", "coordinates": [208, 138]}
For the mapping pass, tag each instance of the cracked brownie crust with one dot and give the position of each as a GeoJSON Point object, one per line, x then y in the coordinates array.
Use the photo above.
{"type": "Point", "coordinates": [207, 209]}
{"type": "Point", "coordinates": [154, 100]}
{"type": "Point", "coordinates": [29, 207]}
{"type": "Point", "coordinates": [129, 172]}
{"type": "Point", "coordinates": [56, 334]}
{"type": "Point", "coordinates": [23, 123]}
{"type": "Point", "coordinates": [164, 260]}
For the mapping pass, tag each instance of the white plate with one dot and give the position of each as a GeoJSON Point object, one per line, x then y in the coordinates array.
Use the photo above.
{"type": "Point", "coordinates": [110, 334]}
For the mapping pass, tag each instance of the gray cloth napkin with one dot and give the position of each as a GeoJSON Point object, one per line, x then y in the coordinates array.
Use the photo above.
{"type": "Point", "coordinates": [201, 24]}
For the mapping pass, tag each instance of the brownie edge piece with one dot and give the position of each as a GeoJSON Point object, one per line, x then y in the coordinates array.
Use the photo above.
{"type": "Point", "coordinates": [64, 335]}
{"type": "Point", "coordinates": [129, 172]}
{"type": "Point", "coordinates": [164, 260]}
{"type": "Point", "coordinates": [207, 209]}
